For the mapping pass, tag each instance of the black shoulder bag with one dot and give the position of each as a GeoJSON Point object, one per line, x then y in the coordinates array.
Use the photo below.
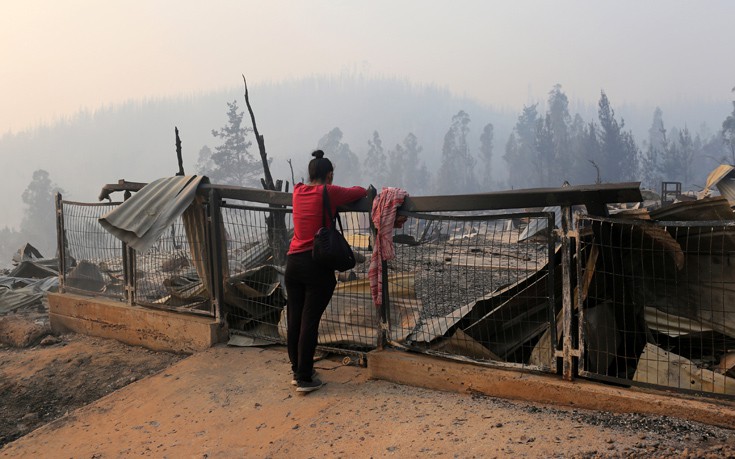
{"type": "Point", "coordinates": [331, 249]}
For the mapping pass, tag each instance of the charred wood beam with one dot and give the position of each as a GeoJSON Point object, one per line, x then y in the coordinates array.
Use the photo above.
{"type": "Point", "coordinates": [276, 221]}
{"type": "Point", "coordinates": [121, 185]}
{"type": "Point", "coordinates": [594, 197]}
{"type": "Point", "coordinates": [178, 152]}
{"type": "Point", "coordinates": [269, 185]}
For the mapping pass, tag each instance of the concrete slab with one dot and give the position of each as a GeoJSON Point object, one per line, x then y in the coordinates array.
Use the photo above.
{"type": "Point", "coordinates": [154, 329]}
{"type": "Point", "coordinates": [447, 375]}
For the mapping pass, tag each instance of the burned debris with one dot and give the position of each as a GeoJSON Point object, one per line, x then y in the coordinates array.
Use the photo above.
{"type": "Point", "coordinates": [23, 306]}
{"type": "Point", "coordinates": [642, 295]}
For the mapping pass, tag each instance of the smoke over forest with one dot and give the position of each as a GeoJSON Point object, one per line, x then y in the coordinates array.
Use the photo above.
{"type": "Point", "coordinates": [376, 130]}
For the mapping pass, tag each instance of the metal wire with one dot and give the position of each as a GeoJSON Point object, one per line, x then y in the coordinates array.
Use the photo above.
{"type": "Point", "coordinates": [255, 294]}
{"type": "Point", "coordinates": [464, 286]}
{"type": "Point", "coordinates": [94, 256]}
{"type": "Point", "coordinates": [169, 274]}
{"type": "Point", "coordinates": [659, 310]}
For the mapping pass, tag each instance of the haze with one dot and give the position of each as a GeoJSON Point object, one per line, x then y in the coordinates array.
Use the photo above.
{"type": "Point", "coordinates": [60, 57]}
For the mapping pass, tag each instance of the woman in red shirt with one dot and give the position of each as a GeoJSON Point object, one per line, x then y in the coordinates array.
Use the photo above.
{"type": "Point", "coordinates": [309, 285]}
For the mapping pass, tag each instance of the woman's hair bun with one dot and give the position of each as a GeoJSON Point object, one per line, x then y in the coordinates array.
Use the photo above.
{"type": "Point", "coordinates": [318, 154]}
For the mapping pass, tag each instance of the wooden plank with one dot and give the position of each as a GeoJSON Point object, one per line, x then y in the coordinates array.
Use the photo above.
{"type": "Point", "coordinates": [460, 343]}
{"type": "Point", "coordinates": [662, 368]}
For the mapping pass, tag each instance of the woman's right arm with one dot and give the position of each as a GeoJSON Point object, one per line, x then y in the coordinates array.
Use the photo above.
{"type": "Point", "coordinates": [341, 195]}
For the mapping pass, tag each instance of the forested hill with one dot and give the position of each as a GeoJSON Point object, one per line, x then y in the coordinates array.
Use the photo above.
{"type": "Point", "coordinates": [135, 140]}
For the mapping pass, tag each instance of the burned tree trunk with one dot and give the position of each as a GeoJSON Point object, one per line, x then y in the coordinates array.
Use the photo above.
{"type": "Point", "coordinates": [276, 221]}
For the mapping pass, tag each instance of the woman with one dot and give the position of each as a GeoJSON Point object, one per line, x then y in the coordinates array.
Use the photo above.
{"type": "Point", "coordinates": [309, 285]}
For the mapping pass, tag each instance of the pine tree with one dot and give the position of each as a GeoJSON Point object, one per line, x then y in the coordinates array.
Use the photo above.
{"type": "Point", "coordinates": [618, 148]}
{"type": "Point", "coordinates": [652, 160]}
{"type": "Point", "coordinates": [346, 163]}
{"type": "Point", "coordinates": [232, 162]}
{"type": "Point", "coordinates": [416, 175]}
{"type": "Point", "coordinates": [558, 125]}
{"type": "Point", "coordinates": [39, 220]}
{"type": "Point", "coordinates": [456, 173]}
{"type": "Point", "coordinates": [486, 154]}
{"type": "Point", "coordinates": [544, 159]}
{"type": "Point", "coordinates": [205, 164]}
{"type": "Point", "coordinates": [521, 150]}
{"type": "Point", "coordinates": [579, 168]}
{"type": "Point", "coordinates": [728, 132]}
{"type": "Point", "coordinates": [397, 165]}
{"type": "Point", "coordinates": [375, 166]}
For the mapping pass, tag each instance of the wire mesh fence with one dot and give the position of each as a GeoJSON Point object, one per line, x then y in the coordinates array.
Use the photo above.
{"type": "Point", "coordinates": [465, 286]}
{"type": "Point", "coordinates": [652, 301]}
{"type": "Point", "coordinates": [174, 272]}
{"type": "Point", "coordinates": [255, 296]}
{"type": "Point", "coordinates": [658, 303]}
{"type": "Point", "coordinates": [94, 257]}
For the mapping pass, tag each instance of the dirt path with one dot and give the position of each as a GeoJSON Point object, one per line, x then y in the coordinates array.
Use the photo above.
{"type": "Point", "coordinates": [233, 402]}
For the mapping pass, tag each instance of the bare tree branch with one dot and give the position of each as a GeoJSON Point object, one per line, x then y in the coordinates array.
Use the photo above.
{"type": "Point", "coordinates": [178, 152]}
{"type": "Point", "coordinates": [293, 180]}
{"type": "Point", "coordinates": [269, 185]}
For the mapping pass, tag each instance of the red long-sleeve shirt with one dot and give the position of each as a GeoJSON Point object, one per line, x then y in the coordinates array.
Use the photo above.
{"type": "Point", "coordinates": [308, 208]}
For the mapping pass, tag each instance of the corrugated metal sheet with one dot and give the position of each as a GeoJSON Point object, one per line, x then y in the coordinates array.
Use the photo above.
{"type": "Point", "coordinates": [724, 179]}
{"type": "Point", "coordinates": [140, 220]}
{"type": "Point", "coordinates": [536, 225]}
{"type": "Point", "coordinates": [31, 295]}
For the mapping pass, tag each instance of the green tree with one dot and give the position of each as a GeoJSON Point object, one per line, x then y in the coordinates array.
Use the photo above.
{"type": "Point", "coordinates": [558, 125]}
{"type": "Point", "coordinates": [232, 163]}
{"type": "Point", "coordinates": [620, 153]}
{"type": "Point", "coordinates": [346, 163]}
{"type": "Point", "coordinates": [679, 156]}
{"type": "Point", "coordinates": [486, 154]}
{"type": "Point", "coordinates": [728, 132]}
{"type": "Point", "coordinates": [397, 166]}
{"type": "Point", "coordinates": [375, 166]}
{"type": "Point", "coordinates": [38, 225]}
{"type": "Point", "coordinates": [544, 160]}
{"type": "Point", "coordinates": [456, 173]}
{"type": "Point", "coordinates": [579, 170]}
{"type": "Point", "coordinates": [521, 149]}
{"type": "Point", "coordinates": [592, 147]}
{"type": "Point", "coordinates": [416, 175]}
{"type": "Point", "coordinates": [652, 159]}
{"type": "Point", "coordinates": [205, 164]}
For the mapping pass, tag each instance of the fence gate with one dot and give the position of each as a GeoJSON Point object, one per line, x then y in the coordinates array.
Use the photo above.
{"type": "Point", "coordinates": [469, 287]}
{"type": "Point", "coordinates": [254, 298]}
{"type": "Point", "coordinates": [658, 303]}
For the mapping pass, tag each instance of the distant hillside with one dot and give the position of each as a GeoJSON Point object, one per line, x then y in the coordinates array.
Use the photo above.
{"type": "Point", "coordinates": [135, 140]}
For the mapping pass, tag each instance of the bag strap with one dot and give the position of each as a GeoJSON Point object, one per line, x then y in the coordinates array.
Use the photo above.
{"type": "Point", "coordinates": [328, 211]}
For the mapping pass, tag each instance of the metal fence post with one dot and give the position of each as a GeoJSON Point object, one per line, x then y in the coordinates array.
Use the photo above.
{"type": "Point", "coordinates": [131, 277]}
{"type": "Point", "coordinates": [60, 240]}
{"type": "Point", "coordinates": [582, 283]}
{"type": "Point", "coordinates": [550, 284]}
{"type": "Point", "coordinates": [568, 351]}
{"type": "Point", "coordinates": [215, 224]}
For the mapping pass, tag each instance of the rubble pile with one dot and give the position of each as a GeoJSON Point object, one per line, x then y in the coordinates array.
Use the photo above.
{"type": "Point", "coordinates": [23, 307]}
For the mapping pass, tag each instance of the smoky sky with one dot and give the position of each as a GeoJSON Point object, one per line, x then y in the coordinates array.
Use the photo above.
{"type": "Point", "coordinates": [60, 57]}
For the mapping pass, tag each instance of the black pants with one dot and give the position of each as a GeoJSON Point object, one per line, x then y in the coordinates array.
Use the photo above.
{"type": "Point", "coordinates": [309, 288]}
